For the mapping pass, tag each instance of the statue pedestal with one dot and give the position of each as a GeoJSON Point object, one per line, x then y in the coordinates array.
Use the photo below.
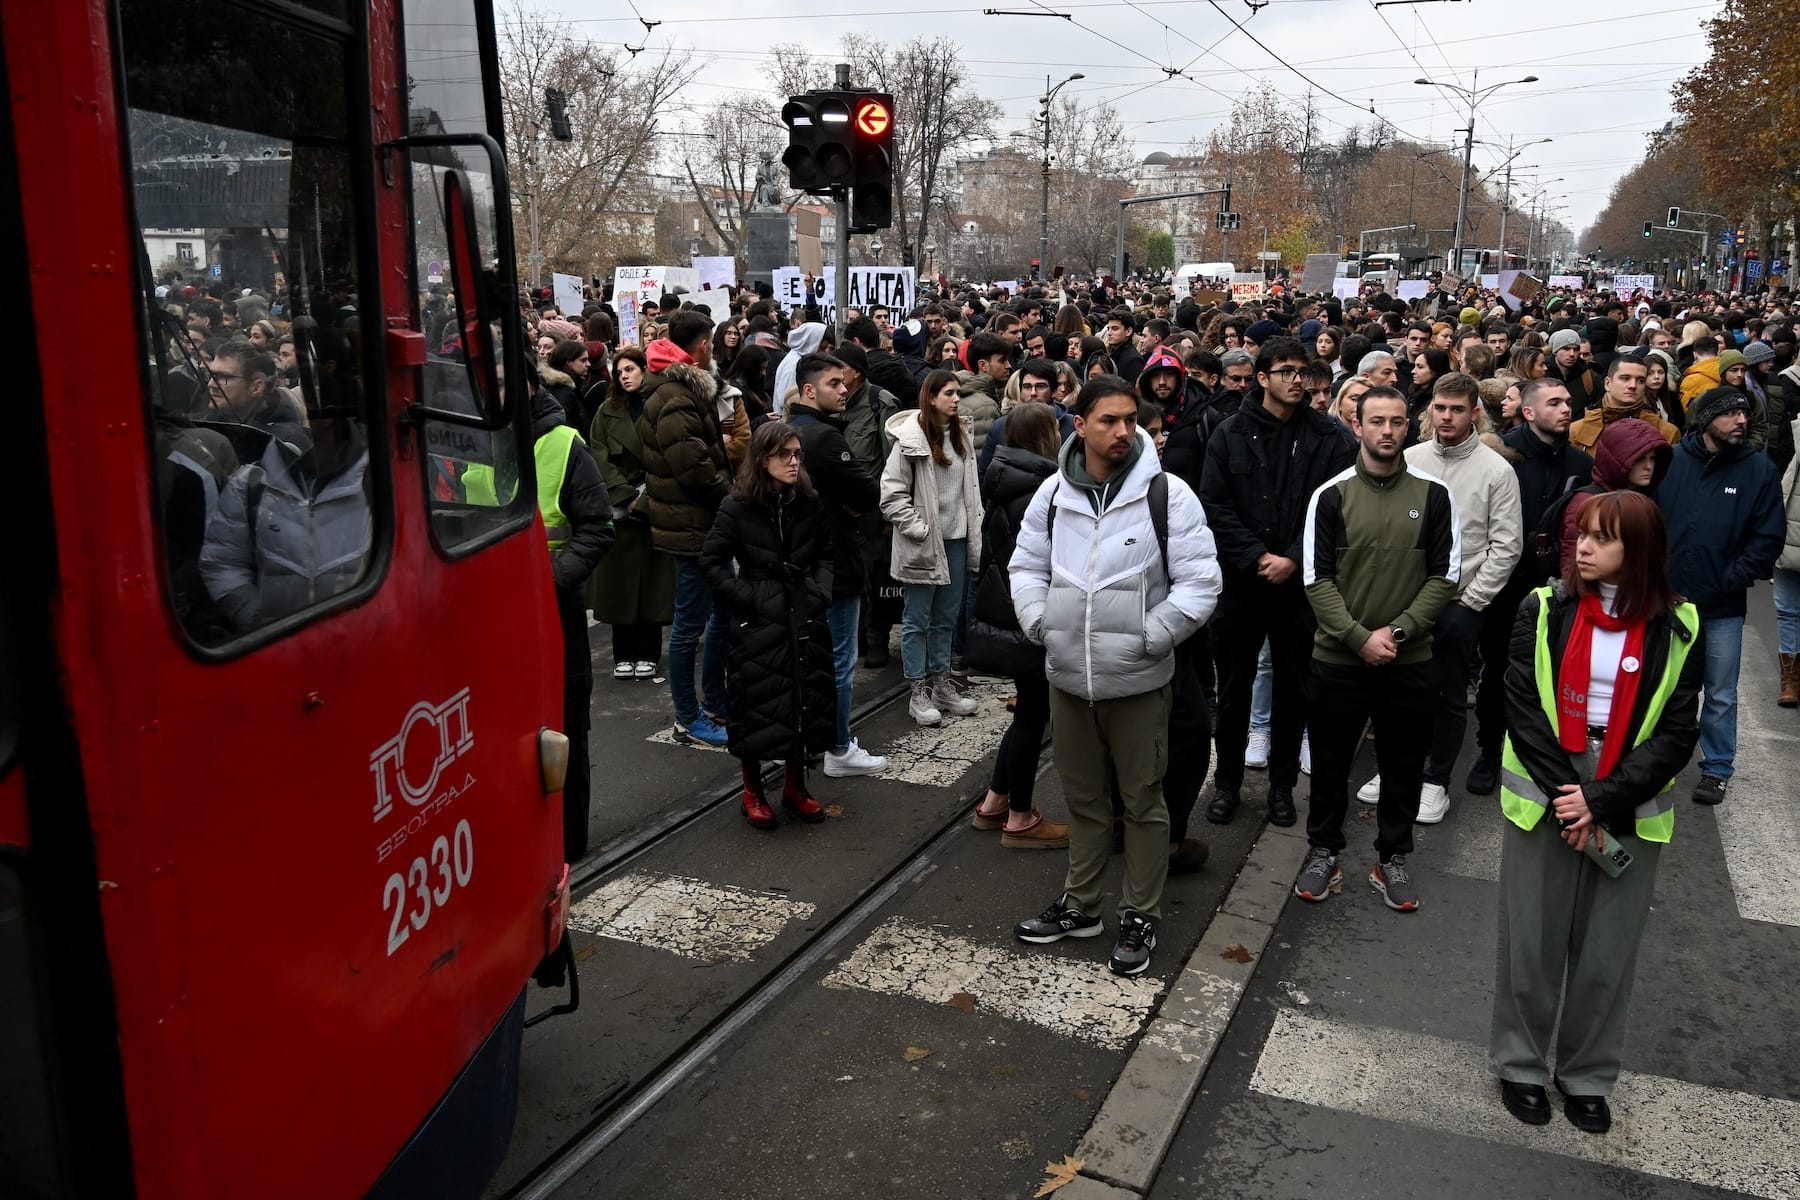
{"type": "Point", "coordinates": [766, 247]}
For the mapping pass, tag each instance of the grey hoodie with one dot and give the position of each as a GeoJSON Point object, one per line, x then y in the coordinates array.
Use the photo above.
{"type": "Point", "coordinates": [802, 340]}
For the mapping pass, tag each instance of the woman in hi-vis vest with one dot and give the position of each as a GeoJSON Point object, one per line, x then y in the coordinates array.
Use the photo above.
{"type": "Point", "coordinates": [1602, 708]}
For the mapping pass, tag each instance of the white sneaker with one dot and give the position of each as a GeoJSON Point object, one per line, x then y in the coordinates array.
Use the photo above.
{"type": "Point", "coordinates": [1305, 754]}
{"type": "Point", "coordinates": [623, 670]}
{"type": "Point", "coordinates": [1370, 792]}
{"type": "Point", "coordinates": [1434, 804]}
{"type": "Point", "coordinates": [644, 670]}
{"type": "Point", "coordinates": [921, 708]}
{"type": "Point", "coordinates": [950, 699]}
{"type": "Point", "coordinates": [1256, 751]}
{"type": "Point", "coordinates": [853, 761]}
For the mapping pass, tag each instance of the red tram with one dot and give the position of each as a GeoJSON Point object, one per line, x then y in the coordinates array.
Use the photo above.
{"type": "Point", "coordinates": [280, 832]}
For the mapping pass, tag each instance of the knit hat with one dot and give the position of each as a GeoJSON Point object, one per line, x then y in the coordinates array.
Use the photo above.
{"type": "Point", "coordinates": [1757, 352]}
{"type": "Point", "coordinates": [1469, 316]}
{"type": "Point", "coordinates": [1562, 338]}
{"type": "Point", "coordinates": [1309, 330]}
{"type": "Point", "coordinates": [1263, 330]}
{"type": "Point", "coordinates": [1729, 359]}
{"type": "Point", "coordinates": [909, 337]}
{"type": "Point", "coordinates": [560, 329]}
{"type": "Point", "coordinates": [1714, 403]}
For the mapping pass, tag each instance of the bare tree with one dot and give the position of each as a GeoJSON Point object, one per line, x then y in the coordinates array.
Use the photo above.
{"type": "Point", "coordinates": [1090, 171]}
{"type": "Point", "coordinates": [584, 188]}
{"type": "Point", "coordinates": [736, 135]}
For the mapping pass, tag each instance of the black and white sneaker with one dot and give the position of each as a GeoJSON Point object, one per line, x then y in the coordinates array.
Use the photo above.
{"type": "Point", "coordinates": [1057, 922]}
{"type": "Point", "coordinates": [1137, 938]}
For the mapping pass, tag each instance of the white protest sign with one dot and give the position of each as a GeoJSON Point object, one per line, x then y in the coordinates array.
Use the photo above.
{"type": "Point", "coordinates": [1565, 281]}
{"type": "Point", "coordinates": [716, 303]}
{"type": "Point", "coordinates": [1248, 286]}
{"type": "Point", "coordinates": [1345, 289]}
{"type": "Point", "coordinates": [896, 288]}
{"type": "Point", "coordinates": [626, 305]}
{"type": "Point", "coordinates": [716, 271]}
{"type": "Point", "coordinates": [1413, 289]}
{"type": "Point", "coordinates": [651, 283]}
{"type": "Point", "coordinates": [1490, 282]}
{"type": "Point", "coordinates": [566, 291]}
{"type": "Point", "coordinates": [1627, 283]}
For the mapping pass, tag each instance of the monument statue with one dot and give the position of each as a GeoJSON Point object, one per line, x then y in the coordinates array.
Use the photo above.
{"type": "Point", "coordinates": [768, 185]}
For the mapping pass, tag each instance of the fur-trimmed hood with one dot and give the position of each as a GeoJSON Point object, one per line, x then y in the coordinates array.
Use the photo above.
{"type": "Point", "coordinates": [553, 377]}
{"type": "Point", "coordinates": [701, 382]}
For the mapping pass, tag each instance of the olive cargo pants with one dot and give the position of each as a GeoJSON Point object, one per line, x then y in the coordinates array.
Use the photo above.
{"type": "Point", "coordinates": [1130, 733]}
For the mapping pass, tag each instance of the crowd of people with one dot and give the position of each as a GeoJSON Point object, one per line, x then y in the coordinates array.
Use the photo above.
{"type": "Point", "coordinates": [1191, 536]}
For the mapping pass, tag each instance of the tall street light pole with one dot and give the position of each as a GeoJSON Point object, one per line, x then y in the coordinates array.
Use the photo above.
{"type": "Point", "coordinates": [1474, 95]}
{"type": "Point", "coordinates": [1044, 210]}
{"type": "Point", "coordinates": [1506, 194]}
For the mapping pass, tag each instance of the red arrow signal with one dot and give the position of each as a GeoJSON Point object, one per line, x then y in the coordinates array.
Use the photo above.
{"type": "Point", "coordinates": [872, 118]}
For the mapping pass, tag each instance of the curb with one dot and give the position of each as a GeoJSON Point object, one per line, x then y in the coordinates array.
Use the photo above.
{"type": "Point", "coordinates": [1130, 1136]}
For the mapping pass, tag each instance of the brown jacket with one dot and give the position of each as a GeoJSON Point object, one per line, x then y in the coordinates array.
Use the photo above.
{"type": "Point", "coordinates": [1585, 433]}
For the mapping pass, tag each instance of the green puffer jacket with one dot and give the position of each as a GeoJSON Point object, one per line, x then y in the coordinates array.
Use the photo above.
{"type": "Point", "coordinates": [685, 463]}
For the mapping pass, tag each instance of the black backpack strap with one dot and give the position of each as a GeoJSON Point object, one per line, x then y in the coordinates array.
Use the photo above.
{"type": "Point", "coordinates": [1159, 517]}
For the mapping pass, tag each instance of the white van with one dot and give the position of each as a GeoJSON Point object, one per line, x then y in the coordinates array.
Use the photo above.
{"type": "Point", "coordinates": [1213, 271]}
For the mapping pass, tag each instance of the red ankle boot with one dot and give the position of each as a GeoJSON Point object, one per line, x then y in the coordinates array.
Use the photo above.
{"type": "Point", "coordinates": [756, 807]}
{"type": "Point", "coordinates": [797, 800]}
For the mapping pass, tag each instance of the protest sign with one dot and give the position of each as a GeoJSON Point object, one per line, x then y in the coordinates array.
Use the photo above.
{"type": "Point", "coordinates": [566, 291]}
{"type": "Point", "coordinates": [716, 303]}
{"type": "Point", "coordinates": [1248, 286]}
{"type": "Point", "coordinates": [1320, 270]}
{"type": "Point", "coordinates": [651, 283]}
{"type": "Point", "coordinates": [626, 305]}
{"type": "Point", "coordinates": [716, 271]}
{"type": "Point", "coordinates": [1413, 289]}
{"type": "Point", "coordinates": [1565, 281]}
{"type": "Point", "coordinates": [1517, 288]}
{"type": "Point", "coordinates": [896, 288]}
{"type": "Point", "coordinates": [1206, 297]}
{"type": "Point", "coordinates": [1626, 284]}
{"type": "Point", "coordinates": [1346, 289]}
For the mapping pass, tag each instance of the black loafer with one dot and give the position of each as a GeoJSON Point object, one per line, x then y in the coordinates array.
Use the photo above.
{"type": "Point", "coordinates": [1484, 776]}
{"type": "Point", "coordinates": [1223, 807]}
{"type": "Point", "coordinates": [1527, 1101]}
{"type": "Point", "coordinates": [1281, 807]}
{"type": "Point", "coordinates": [1590, 1114]}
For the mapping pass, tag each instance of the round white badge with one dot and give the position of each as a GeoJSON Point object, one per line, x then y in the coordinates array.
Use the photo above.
{"type": "Point", "coordinates": [1629, 665]}
{"type": "Point", "coordinates": [1414, 514]}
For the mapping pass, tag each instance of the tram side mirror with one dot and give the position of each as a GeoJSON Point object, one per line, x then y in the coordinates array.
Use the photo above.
{"type": "Point", "coordinates": [477, 316]}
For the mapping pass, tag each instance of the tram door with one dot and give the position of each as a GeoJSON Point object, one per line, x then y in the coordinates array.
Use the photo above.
{"type": "Point", "coordinates": [302, 676]}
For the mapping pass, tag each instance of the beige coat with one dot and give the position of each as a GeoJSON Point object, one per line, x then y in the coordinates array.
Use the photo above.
{"type": "Point", "coordinates": [909, 504]}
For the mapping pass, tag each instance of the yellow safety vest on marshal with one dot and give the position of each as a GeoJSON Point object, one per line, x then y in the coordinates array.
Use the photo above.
{"type": "Point", "coordinates": [551, 454]}
{"type": "Point", "coordinates": [1524, 803]}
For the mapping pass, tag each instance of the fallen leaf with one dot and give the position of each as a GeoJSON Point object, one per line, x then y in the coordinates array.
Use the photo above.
{"type": "Point", "coordinates": [915, 1053]}
{"type": "Point", "coordinates": [1059, 1175]}
{"type": "Point", "coordinates": [1083, 1094]}
{"type": "Point", "coordinates": [583, 954]}
{"type": "Point", "coordinates": [834, 810]}
{"type": "Point", "coordinates": [1237, 953]}
{"type": "Point", "coordinates": [962, 1002]}
{"type": "Point", "coordinates": [1337, 889]}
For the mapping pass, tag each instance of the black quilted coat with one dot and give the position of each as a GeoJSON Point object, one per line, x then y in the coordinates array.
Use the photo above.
{"type": "Point", "coordinates": [995, 642]}
{"type": "Point", "coordinates": [778, 670]}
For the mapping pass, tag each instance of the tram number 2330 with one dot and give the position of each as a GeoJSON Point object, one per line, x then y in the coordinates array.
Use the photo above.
{"type": "Point", "coordinates": [427, 884]}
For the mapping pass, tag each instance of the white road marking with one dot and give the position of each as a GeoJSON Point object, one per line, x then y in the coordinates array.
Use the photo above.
{"type": "Point", "coordinates": [939, 755]}
{"type": "Point", "coordinates": [1069, 996]}
{"type": "Point", "coordinates": [1759, 823]}
{"type": "Point", "coordinates": [1733, 1141]}
{"type": "Point", "coordinates": [689, 917]}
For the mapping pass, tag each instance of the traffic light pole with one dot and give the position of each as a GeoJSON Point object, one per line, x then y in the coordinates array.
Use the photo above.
{"type": "Point", "coordinates": [841, 271]}
{"type": "Point", "coordinates": [1119, 240]}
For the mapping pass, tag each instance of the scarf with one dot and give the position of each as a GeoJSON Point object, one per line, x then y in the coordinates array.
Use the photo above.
{"type": "Point", "coordinates": [1572, 683]}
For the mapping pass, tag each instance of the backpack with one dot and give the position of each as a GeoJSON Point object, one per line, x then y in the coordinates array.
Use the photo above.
{"type": "Point", "coordinates": [1546, 546]}
{"type": "Point", "coordinates": [1159, 517]}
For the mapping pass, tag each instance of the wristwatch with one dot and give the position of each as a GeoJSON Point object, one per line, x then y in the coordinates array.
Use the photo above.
{"type": "Point", "coordinates": [1397, 633]}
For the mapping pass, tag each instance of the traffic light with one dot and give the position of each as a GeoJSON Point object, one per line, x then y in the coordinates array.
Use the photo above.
{"type": "Point", "coordinates": [1674, 216]}
{"type": "Point", "coordinates": [820, 155]}
{"type": "Point", "coordinates": [1738, 238]}
{"type": "Point", "coordinates": [1647, 228]}
{"type": "Point", "coordinates": [557, 105]}
{"type": "Point", "coordinates": [872, 137]}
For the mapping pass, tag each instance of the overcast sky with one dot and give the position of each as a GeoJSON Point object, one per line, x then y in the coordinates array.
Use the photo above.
{"type": "Point", "coordinates": [1605, 67]}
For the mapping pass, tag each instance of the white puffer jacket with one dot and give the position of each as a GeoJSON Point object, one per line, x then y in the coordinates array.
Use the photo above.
{"type": "Point", "coordinates": [1098, 601]}
{"type": "Point", "coordinates": [1790, 496]}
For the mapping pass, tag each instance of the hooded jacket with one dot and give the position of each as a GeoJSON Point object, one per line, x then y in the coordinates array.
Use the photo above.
{"type": "Point", "coordinates": [1701, 376]}
{"type": "Point", "coordinates": [1259, 476]}
{"type": "Point", "coordinates": [845, 490]}
{"type": "Point", "coordinates": [1622, 444]}
{"type": "Point", "coordinates": [310, 541]}
{"type": "Point", "coordinates": [909, 504]}
{"type": "Point", "coordinates": [1603, 343]}
{"type": "Point", "coordinates": [996, 435]}
{"type": "Point", "coordinates": [1725, 521]}
{"type": "Point", "coordinates": [995, 642]}
{"type": "Point", "coordinates": [802, 340]}
{"type": "Point", "coordinates": [1585, 433]}
{"type": "Point", "coordinates": [980, 405]}
{"type": "Point", "coordinates": [686, 468]}
{"type": "Point", "coordinates": [1487, 504]}
{"type": "Point", "coordinates": [562, 385]}
{"type": "Point", "coordinates": [899, 376]}
{"type": "Point", "coordinates": [1094, 593]}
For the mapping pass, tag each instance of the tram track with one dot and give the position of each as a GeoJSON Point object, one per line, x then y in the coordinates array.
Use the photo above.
{"type": "Point", "coordinates": [636, 1097]}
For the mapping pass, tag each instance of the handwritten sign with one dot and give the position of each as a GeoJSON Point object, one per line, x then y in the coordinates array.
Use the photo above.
{"type": "Point", "coordinates": [626, 305]}
{"type": "Point", "coordinates": [1565, 281]}
{"type": "Point", "coordinates": [652, 283]}
{"type": "Point", "coordinates": [566, 290]}
{"type": "Point", "coordinates": [1248, 287]}
{"type": "Point", "coordinates": [1629, 283]}
{"type": "Point", "coordinates": [895, 288]}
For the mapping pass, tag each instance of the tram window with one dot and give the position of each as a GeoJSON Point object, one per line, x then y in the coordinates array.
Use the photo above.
{"type": "Point", "coordinates": [241, 142]}
{"type": "Point", "coordinates": [445, 94]}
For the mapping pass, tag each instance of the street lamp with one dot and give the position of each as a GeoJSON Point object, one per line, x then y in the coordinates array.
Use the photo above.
{"type": "Point", "coordinates": [1474, 95]}
{"type": "Point", "coordinates": [930, 256]}
{"type": "Point", "coordinates": [1506, 194]}
{"type": "Point", "coordinates": [875, 249]}
{"type": "Point", "coordinates": [1044, 211]}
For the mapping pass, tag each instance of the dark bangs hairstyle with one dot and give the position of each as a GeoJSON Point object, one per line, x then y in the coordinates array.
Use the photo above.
{"type": "Point", "coordinates": [754, 485]}
{"type": "Point", "coordinates": [624, 354]}
{"type": "Point", "coordinates": [1645, 592]}
{"type": "Point", "coordinates": [933, 422]}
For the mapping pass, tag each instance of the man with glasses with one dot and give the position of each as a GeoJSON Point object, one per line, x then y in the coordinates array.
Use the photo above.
{"type": "Point", "coordinates": [1262, 466]}
{"type": "Point", "coordinates": [1037, 385]}
{"type": "Point", "coordinates": [241, 385]}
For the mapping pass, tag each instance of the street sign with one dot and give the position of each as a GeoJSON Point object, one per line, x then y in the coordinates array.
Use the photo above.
{"type": "Point", "coordinates": [434, 267]}
{"type": "Point", "coordinates": [1227, 220]}
{"type": "Point", "coordinates": [216, 271]}
{"type": "Point", "coordinates": [1753, 269]}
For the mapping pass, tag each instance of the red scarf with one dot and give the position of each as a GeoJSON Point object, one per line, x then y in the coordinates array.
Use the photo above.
{"type": "Point", "coordinates": [1572, 683]}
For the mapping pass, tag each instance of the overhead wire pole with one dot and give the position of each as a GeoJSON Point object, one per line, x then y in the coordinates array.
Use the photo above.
{"type": "Point", "coordinates": [1119, 242]}
{"type": "Point", "coordinates": [1043, 271]}
{"type": "Point", "coordinates": [1474, 95]}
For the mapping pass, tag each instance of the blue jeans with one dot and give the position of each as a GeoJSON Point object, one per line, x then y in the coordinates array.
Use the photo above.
{"type": "Point", "coordinates": [844, 616]}
{"type": "Point", "coordinates": [930, 614]}
{"type": "Point", "coordinates": [1723, 639]}
{"type": "Point", "coordinates": [1262, 692]}
{"type": "Point", "coordinates": [1787, 611]}
{"type": "Point", "coordinates": [695, 615]}
{"type": "Point", "coordinates": [959, 629]}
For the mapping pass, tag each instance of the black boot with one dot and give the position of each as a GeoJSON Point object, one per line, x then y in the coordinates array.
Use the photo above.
{"type": "Point", "coordinates": [1281, 806]}
{"type": "Point", "coordinates": [1224, 805]}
